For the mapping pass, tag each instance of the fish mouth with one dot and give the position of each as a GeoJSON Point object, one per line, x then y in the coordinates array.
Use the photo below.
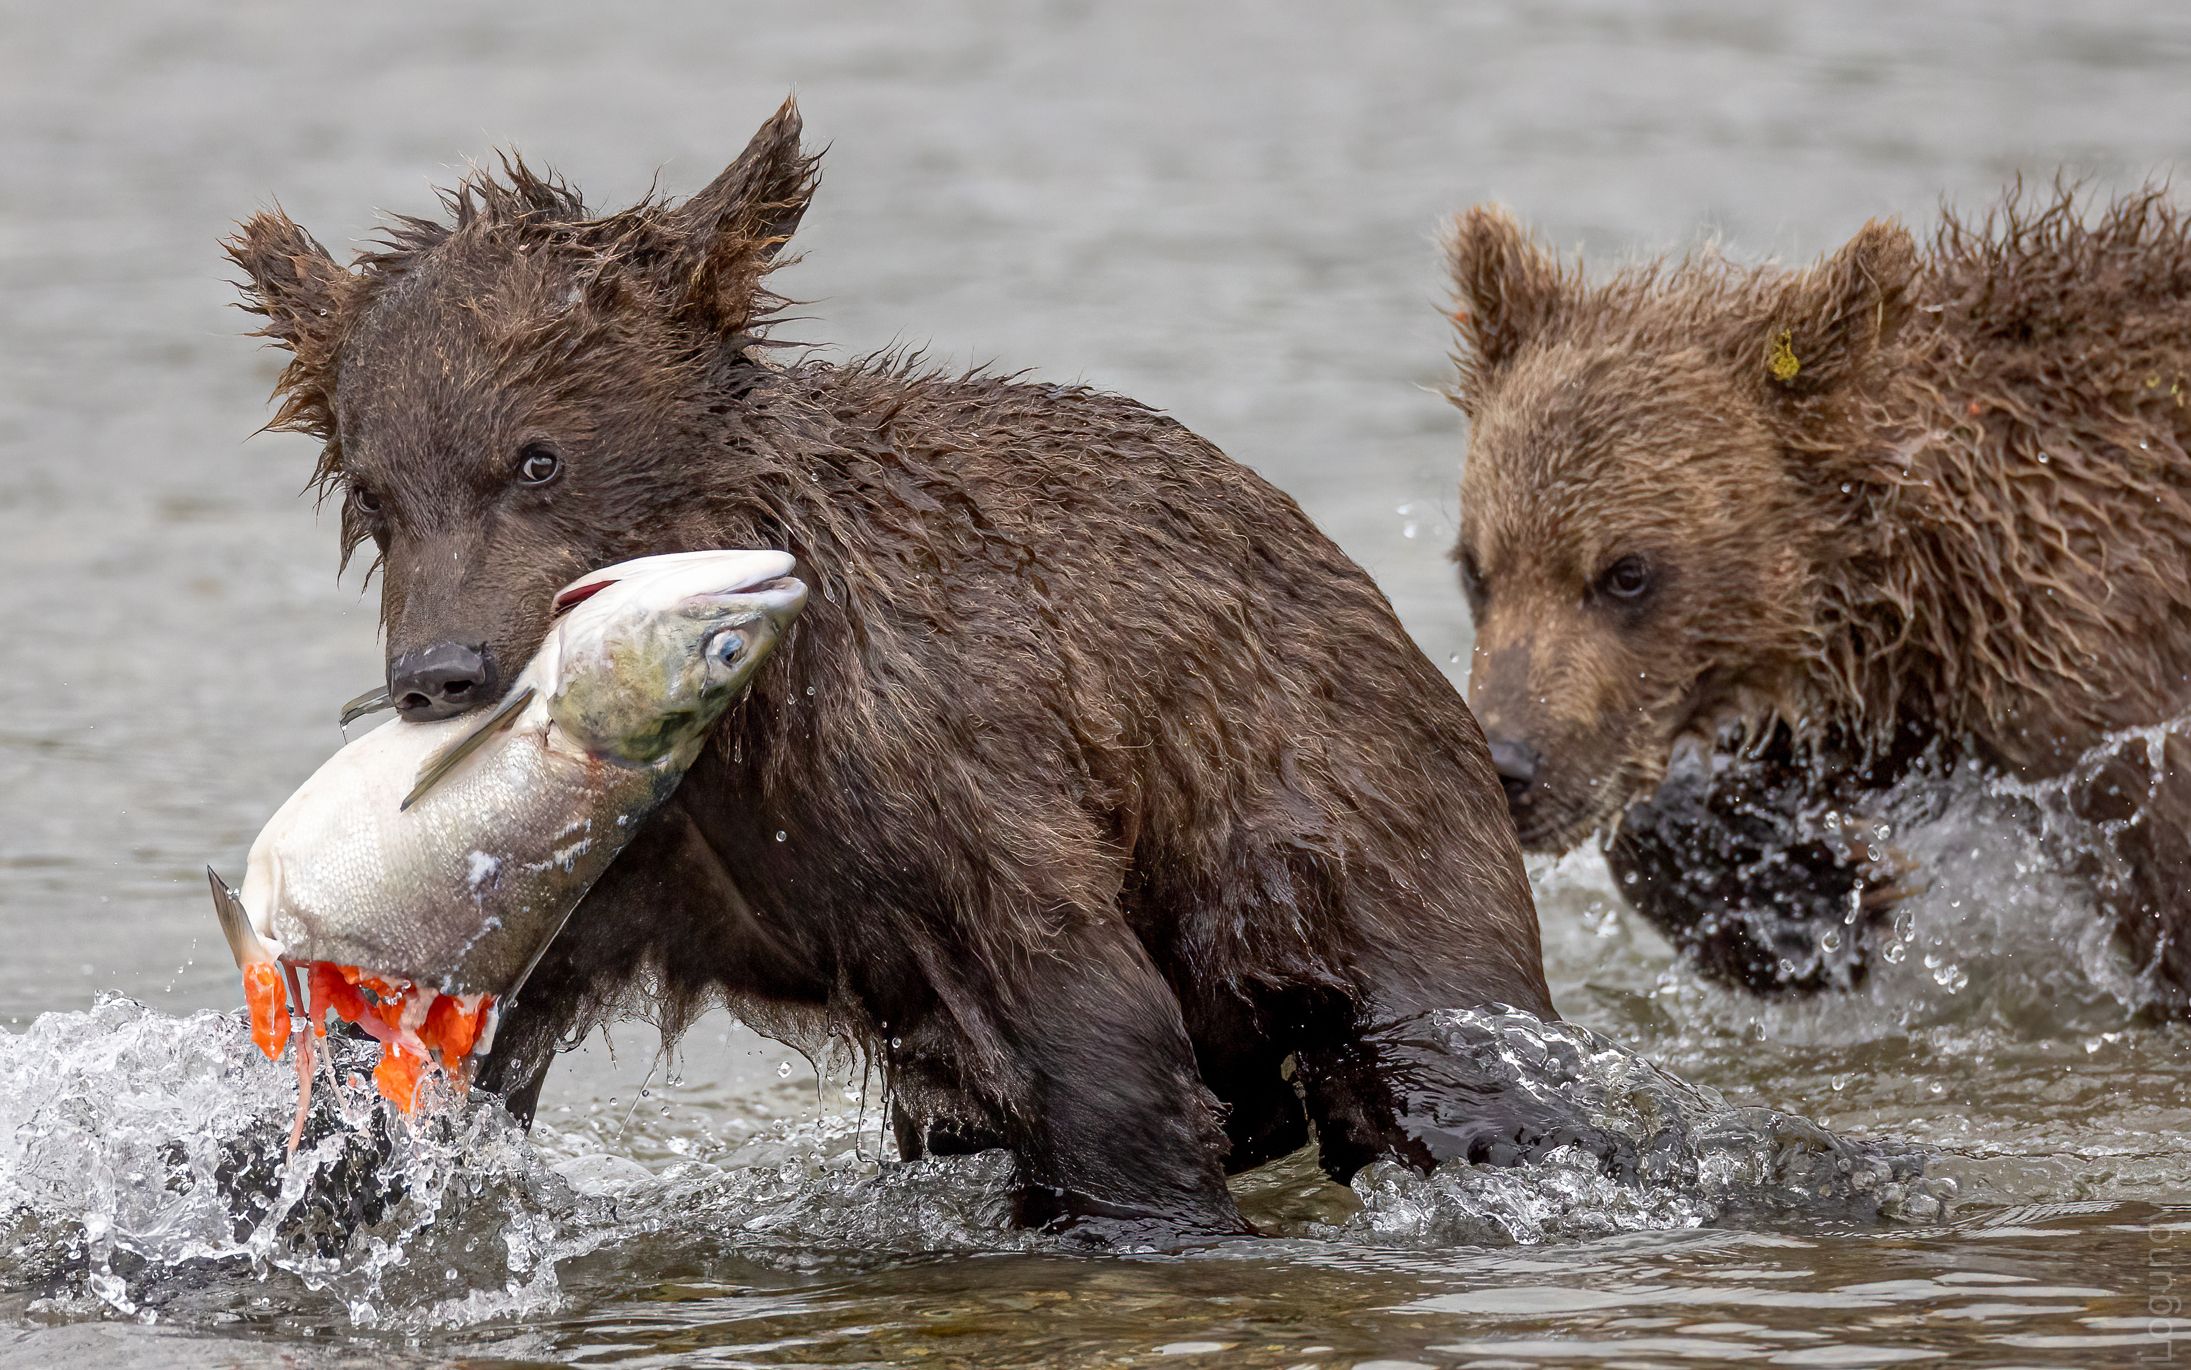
{"type": "Point", "coordinates": [780, 599]}
{"type": "Point", "coordinates": [697, 574]}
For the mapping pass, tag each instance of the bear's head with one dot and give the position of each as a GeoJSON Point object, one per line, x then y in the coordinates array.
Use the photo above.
{"type": "Point", "coordinates": [1655, 470]}
{"type": "Point", "coordinates": [528, 389]}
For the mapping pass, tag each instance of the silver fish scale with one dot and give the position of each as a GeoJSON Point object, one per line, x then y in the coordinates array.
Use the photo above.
{"type": "Point", "coordinates": [462, 890]}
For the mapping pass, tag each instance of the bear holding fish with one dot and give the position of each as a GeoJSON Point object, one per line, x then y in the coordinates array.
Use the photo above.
{"type": "Point", "coordinates": [1094, 790]}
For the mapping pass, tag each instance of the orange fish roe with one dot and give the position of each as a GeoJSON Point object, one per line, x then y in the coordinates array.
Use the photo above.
{"type": "Point", "coordinates": [269, 1000]}
{"type": "Point", "coordinates": [396, 1077]}
{"type": "Point", "coordinates": [413, 1025]}
{"type": "Point", "coordinates": [452, 1031]}
{"type": "Point", "coordinates": [333, 991]}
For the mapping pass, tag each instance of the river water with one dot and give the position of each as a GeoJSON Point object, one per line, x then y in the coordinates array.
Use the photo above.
{"type": "Point", "coordinates": [1227, 211]}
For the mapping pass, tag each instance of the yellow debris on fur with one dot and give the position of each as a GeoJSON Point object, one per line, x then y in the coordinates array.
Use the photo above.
{"type": "Point", "coordinates": [1780, 358]}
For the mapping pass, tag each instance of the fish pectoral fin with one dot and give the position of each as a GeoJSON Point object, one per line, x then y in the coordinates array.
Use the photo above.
{"type": "Point", "coordinates": [446, 760]}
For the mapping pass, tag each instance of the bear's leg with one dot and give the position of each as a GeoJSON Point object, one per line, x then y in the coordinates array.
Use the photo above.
{"type": "Point", "coordinates": [1117, 1136]}
{"type": "Point", "coordinates": [949, 1132]}
{"type": "Point", "coordinates": [1734, 872]}
{"type": "Point", "coordinates": [931, 1111]}
{"type": "Point", "coordinates": [2139, 802]}
{"type": "Point", "coordinates": [1423, 1089]}
{"type": "Point", "coordinates": [1242, 1060]}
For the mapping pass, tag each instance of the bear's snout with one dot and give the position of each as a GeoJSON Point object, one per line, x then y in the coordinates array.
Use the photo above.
{"type": "Point", "coordinates": [1517, 764]}
{"type": "Point", "coordinates": [441, 679]}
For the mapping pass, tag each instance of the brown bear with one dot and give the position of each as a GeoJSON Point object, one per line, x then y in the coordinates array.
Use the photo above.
{"type": "Point", "coordinates": [1835, 530]}
{"type": "Point", "coordinates": [1096, 792]}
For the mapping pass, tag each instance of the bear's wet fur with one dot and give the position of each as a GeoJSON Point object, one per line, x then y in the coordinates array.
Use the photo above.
{"type": "Point", "coordinates": [1910, 508]}
{"type": "Point", "coordinates": [1096, 793]}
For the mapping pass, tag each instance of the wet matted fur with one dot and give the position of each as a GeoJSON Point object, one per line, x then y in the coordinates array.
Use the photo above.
{"type": "Point", "coordinates": [1093, 786]}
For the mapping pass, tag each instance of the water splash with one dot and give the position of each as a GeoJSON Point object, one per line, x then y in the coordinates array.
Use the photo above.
{"type": "Point", "coordinates": [142, 1174]}
{"type": "Point", "coordinates": [2001, 928]}
{"type": "Point", "coordinates": [1661, 1153]}
{"type": "Point", "coordinates": [142, 1170]}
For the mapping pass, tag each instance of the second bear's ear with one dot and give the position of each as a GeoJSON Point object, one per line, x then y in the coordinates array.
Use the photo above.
{"type": "Point", "coordinates": [1505, 290]}
{"type": "Point", "coordinates": [732, 230]}
{"type": "Point", "coordinates": [1833, 320]}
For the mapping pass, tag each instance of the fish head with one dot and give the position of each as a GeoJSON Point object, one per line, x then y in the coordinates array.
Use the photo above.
{"type": "Point", "coordinates": [647, 654]}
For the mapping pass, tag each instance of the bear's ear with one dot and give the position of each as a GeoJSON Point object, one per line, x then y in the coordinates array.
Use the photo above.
{"type": "Point", "coordinates": [1833, 320]}
{"type": "Point", "coordinates": [303, 294]}
{"type": "Point", "coordinates": [1505, 289]}
{"type": "Point", "coordinates": [731, 232]}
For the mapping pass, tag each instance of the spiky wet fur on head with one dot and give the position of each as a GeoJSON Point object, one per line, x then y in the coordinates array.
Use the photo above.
{"type": "Point", "coordinates": [1837, 475]}
{"type": "Point", "coordinates": [652, 304]}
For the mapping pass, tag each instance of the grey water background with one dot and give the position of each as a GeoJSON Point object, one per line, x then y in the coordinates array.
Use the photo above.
{"type": "Point", "coordinates": [1226, 210]}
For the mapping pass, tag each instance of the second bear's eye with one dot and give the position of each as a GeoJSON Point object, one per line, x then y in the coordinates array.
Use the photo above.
{"type": "Point", "coordinates": [364, 501]}
{"type": "Point", "coordinates": [1471, 579]}
{"type": "Point", "coordinates": [1626, 579]}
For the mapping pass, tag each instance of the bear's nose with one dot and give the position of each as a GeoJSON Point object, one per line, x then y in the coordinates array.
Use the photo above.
{"type": "Point", "coordinates": [440, 680]}
{"type": "Point", "coordinates": [1517, 764]}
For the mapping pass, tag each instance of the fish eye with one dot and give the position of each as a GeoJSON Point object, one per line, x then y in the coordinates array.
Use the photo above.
{"type": "Point", "coordinates": [537, 464]}
{"type": "Point", "coordinates": [729, 647]}
{"type": "Point", "coordinates": [1627, 579]}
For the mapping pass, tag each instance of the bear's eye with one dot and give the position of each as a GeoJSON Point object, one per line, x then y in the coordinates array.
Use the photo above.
{"type": "Point", "coordinates": [1626, 579]}
{"type": "Point", "coordinates": [365, 501]}
{"type": "Point", "coordinates": [537, 464]}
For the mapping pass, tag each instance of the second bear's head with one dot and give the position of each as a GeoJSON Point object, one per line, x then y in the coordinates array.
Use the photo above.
{"type": "Point", "coordinates": [1655, 481]}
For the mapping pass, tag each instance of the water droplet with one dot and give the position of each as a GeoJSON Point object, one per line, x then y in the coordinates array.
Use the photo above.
{"type": "Point", "coordinates": [783, 1071]}
{"type": "Point", "coordinates": [782, 836]}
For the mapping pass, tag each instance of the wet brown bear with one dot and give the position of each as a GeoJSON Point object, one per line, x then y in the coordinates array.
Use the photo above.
{"type": "Point", "coordinates": [1905, 510]}
{"type": "Point", "coordinates": [1093, 786]}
